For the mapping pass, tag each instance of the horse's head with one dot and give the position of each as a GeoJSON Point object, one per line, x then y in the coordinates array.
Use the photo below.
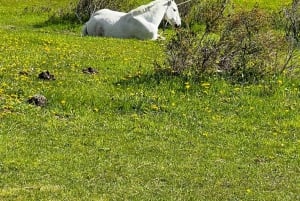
{"type": "Point", "coordinates": [172, 14]}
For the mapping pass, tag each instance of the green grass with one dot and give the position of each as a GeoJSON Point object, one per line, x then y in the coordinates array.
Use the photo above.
{"type": "Point", "coordinates": [271, 5]}
{"type": "Point", "coordinates": [128, 133]}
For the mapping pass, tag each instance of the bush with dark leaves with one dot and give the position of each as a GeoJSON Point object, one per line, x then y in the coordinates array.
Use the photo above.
{"type": "Point", "coordinates": [242, 46]}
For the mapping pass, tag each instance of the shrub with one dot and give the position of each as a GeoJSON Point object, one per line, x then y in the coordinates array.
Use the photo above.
{"type": "Point", "coordinates": [85, 8]}
{"type": "Point", "coordinates": [293, 22]}
{"type": "Point", "coordinates": [241, 46]}
{"type": "Point", "coordinates": [209, 12]}
{"type": "Point", "coordinates": [189, 51]}
{"type": "Point", "coordinates": [292, 30]}
{"type": "Point", "coordinates": [247, 47]}
{"type": "Point", "coordinates": [185, 8]}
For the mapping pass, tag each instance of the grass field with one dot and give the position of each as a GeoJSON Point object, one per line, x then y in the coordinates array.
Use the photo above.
{"type": "Point", "coordinates": [128, 133]}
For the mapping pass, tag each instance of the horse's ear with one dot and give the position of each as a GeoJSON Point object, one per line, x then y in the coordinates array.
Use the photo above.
{"type": "Point", "coordinates": [168, 2]}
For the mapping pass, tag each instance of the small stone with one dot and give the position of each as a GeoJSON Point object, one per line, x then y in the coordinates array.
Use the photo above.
{"type": "Point", "coordinates": [89, 70]}
{"type": "Point", "coordinates": [38, 100]}
{"type": "Point", "coordinates": [46, 76]}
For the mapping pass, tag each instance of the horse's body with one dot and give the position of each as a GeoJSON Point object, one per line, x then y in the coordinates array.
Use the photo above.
{"type": "Point", "coordinates": [141, 23]}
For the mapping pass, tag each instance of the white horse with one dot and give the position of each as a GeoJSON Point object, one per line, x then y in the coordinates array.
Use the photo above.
{"type": "Point", "coordinates": [141, 23]}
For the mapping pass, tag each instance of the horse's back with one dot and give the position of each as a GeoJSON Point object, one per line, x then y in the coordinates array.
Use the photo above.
{"type": "Point", "coordinates": [108, 14]}
{"type": "Point", "coordinates": [109, 23]}
{"type": "Point", "coordinates": [102, 21]}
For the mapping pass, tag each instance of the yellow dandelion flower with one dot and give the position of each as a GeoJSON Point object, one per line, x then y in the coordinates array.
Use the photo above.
{"type": "Point", "coordinates": [24, 78]}
{"type": "Point", "coordinates": [47, 49]}
{"type": "Point", "coordinates": [135, 116]}
{"type": "Point", "coordinates": [205, 85]}
{"type": "Point", "coordinates": [63, 102]}
{"type": "Point", "coordinates": [154, 107]}
{"type": "Point", "coordinates": [187, 85]}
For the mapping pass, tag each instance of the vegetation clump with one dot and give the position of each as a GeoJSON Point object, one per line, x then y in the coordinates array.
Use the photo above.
{"type": "Point", "coordinates": [241, 45]}
{"type": "Point", "coordinates": [85, 8]}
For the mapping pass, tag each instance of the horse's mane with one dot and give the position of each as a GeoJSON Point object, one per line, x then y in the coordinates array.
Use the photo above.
{"type": "Point", "coordinates": [144, 8]}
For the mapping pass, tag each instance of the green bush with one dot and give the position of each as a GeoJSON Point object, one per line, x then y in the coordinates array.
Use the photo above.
{"type": "Point", "coordinates": [293, 22]}
{"type": "Point", "coordinates": [241, 46]}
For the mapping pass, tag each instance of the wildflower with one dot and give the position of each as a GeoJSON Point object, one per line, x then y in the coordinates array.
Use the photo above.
{"type": "Point", "coordinates": [279, 82]}
{"type": "Point", "coordinates": [207, 109]}
{"type": "Point", "coordinates": [47, 49]}
{"type": "Point", "coordinates": [154, 107]}
{"type": "Point", "coordinates": [63, 102]}
{"type": "Point", "coordinates": [134, 116]}
{"type": "Point", "coordinates": [187, 85]}
{"type": "Point", "coordinates": [24, 78]}
{"type": "Point", "coordinates": [205, 85]}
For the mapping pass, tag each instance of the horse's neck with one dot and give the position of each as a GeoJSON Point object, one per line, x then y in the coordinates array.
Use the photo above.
{"type": "Point", "coordinates": [155, 14]}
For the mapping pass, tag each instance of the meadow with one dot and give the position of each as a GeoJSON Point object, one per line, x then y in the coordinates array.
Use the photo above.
{"type": "Point", "coordinates": [128, 132]}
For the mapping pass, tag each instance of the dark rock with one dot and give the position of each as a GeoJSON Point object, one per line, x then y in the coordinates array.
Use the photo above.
{"type": "Point", "coordinates": [38, 100]}
{"type": "Point", "coordinates": [89, 70]}
{"type": "Point", "coordinates": [46, 76]}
